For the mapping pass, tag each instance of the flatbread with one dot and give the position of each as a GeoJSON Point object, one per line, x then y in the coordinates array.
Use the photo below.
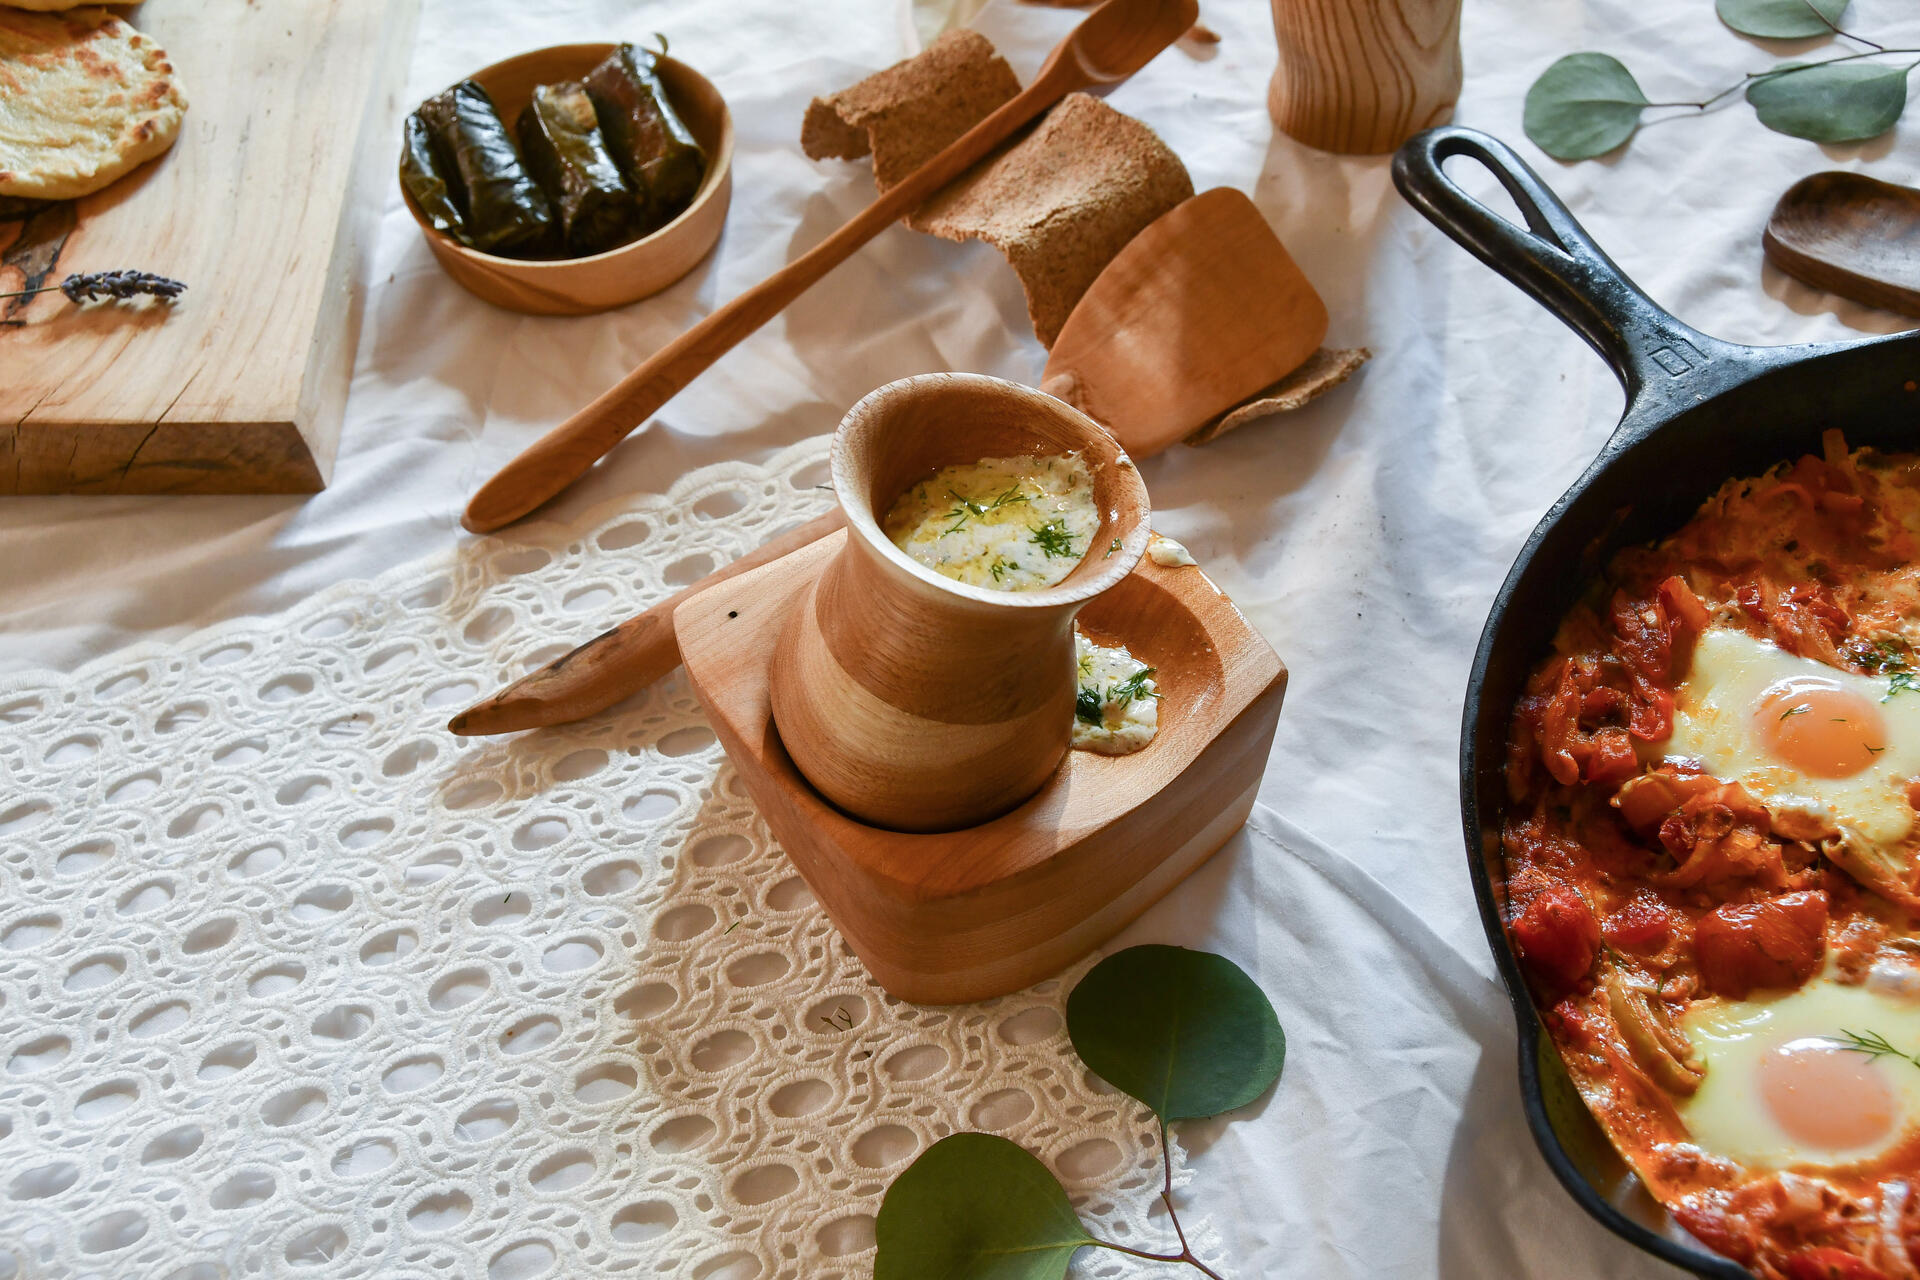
{"type": "Point", "coordinates": [1324, 370]}
{"type": "Point", "coordinates": [908, 113]}
{"type": "Point", "coordinates": [1060, 202]}
{"type": "Point", "coordinates": [84, 98]}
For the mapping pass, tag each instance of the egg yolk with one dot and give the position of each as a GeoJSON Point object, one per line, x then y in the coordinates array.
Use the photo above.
{"type": "Point", "coordinates": [1819, 728]}
{"type": "Point", "coordinates": [1827, 1096]}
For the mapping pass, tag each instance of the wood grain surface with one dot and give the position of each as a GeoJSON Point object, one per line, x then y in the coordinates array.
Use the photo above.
{"type": "Point", "coordinates": [909, 699]}
{"type": "Point", "coordinates": [1201, 310]}
{"type": "Point", "coordinates": [964, 915]}
{"type": "Point", "coordinates": [263, 207]}
{"type": "Point", "coordinates": [1851, 235]}
{"type": "Point", "coordinates": [620, 661]}
{"type": "Point", "coordinates": [1363, 76]}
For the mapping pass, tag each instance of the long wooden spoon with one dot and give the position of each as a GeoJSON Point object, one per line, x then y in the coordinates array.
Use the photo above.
{"type": "Point", "coordinates": [1201, 310]}
{"type": "Point", "coordinates": [1114, 41]}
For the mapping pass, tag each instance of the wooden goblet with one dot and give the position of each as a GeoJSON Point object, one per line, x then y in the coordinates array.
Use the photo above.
{"type": "Point", "coordinates": [1363, 76]}
{"type": "Point", "coordinates": [915, 702]}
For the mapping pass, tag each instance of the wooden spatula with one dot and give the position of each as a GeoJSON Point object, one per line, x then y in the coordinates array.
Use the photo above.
{"type": "Point", "coordinates": [1851, 235]}
{"type": "Point", "coordinates": [1113, 42]}
{"type": "Point", "coordinates": [1201, 310]}
{"type": "Point", "coordinates": [1209, 312]}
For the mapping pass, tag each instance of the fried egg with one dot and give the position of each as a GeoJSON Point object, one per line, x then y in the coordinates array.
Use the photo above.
{"type": "Point", "coordinates": [1790, 1079]}
{"type": "Point", "coordinates": [1800, 735]}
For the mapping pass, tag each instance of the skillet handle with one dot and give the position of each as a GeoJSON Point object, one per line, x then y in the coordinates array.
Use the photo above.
{"type": "Point", "coordinates": [1554, 260]}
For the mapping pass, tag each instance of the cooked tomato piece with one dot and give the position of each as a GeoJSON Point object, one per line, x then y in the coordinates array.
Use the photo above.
{"type": "Point", "coordinates": [1827, 1263]}
{"type": "Point", "coordinates": [1560, 726]}
{"type": "Point", "coordinates": [1600, 704]}
{"type": "Point", "coordinates": [1640, 634]}
{"type": "Point", "coordinates": [1687, 616]}
{"type": "Point", "coordinates": [1724, 1233]}
{"type": "Point", "coordinates": [1558, 938]}
{"type": "Point", "coordinates": [1612, 760]}
{"type": "Point", "coordinates": [1779, 942]}
{"type": "Point", "coordinates": [1643, 926]}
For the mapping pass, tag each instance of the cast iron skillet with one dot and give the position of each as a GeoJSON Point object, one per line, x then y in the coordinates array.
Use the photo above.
{"type": "Point", "coordinates": [1699, 411]}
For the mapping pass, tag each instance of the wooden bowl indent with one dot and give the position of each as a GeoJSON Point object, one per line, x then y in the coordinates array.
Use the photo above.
{"type": "Point", "coordinates": [638, 269]}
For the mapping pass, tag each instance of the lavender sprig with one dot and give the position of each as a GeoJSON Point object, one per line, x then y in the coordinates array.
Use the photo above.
{"type": "Point", "coordinates": [109, 286]}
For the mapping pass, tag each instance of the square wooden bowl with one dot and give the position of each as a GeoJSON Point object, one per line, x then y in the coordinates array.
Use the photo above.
{"type": "Point", "coordinates": [638, 269]}
{"type": "Point", "coordinates": [963, 915]}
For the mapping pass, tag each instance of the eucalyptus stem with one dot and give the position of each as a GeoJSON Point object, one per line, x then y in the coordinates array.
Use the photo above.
{"type": "Point", "coordinates": [1166, 1198]}
{"type": "Point", "coordinates": [1834, 27]}
{"type": "Point", "coordinates": [1186, 1254]}
{"type": "Point", "coordinates": [1186, 1257]}
{"type": "Point", "coordinates": [1778, 73]}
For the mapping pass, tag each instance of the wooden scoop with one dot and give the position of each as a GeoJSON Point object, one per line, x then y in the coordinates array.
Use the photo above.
{"type": "Point", "coordinates": [1114, 41]}
{"type": "Point", "coordinates": [1201, 310]}
{"type": "Point", "coordinates": [1851, 235]}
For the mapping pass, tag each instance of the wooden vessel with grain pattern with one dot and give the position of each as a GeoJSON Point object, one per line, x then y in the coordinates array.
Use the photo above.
{"type": "Point", "coordinates": [1061, 849]}
{"type": "Point", "coordinates": [916, 702]}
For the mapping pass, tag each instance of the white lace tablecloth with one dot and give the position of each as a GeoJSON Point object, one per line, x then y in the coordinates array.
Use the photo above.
{"type": "Point", "coordinates": [292, 979]}
{"type": "Point", "coordinates": [293, 983]}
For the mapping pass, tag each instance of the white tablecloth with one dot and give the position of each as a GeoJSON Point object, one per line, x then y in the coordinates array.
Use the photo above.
{"type": "Point", "coordinates": [1364, 535]}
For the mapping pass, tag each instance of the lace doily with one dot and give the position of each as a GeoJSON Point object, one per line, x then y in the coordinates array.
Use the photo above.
{"type": "Point", "coordinates": [292, 982]}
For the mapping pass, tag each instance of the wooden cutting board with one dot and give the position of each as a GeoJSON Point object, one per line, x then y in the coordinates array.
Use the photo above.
{"type": "Point", "coordinates": [266, 208]}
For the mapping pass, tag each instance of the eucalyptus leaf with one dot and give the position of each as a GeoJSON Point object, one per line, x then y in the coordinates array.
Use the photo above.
{"type": "Point", "coordinates": [1186, 1032]}
{"type": "Point", "coordinates": [976, 1207]}
{"type": "Point", "coordinates": [1583, 106]}
{"type": "Point", "coordinates": [1825, 102]}
{"type": "Point", "coordinates": [1781, 19]}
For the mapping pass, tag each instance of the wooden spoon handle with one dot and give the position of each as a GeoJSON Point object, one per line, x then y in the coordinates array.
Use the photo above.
{"type": "Point", "coordinates": [561, 456]}
{"type": "Point", "coordinates": [617, 664]}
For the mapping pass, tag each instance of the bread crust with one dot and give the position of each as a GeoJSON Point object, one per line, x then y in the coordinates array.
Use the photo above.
{"type": "Point", "coordinates": [84, 99]}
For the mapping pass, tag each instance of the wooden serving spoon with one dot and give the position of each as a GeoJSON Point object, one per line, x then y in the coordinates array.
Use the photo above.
{"type": "Point", "coordinates": [1201, 310]}
{"type": "Point", "coordinates": [1116, 40]}
{"type": "Point", "coordinates": [1851, 235]}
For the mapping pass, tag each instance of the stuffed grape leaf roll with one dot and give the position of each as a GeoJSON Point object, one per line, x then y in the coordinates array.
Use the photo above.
{"type": "Point", "coordinates": [505, 209]}
{"type": "Point", "coordinates": [422, 176]}
{"type": "Point", "coordinates": [564, 149]}
{"type": "Point", "coordinates": [653, 146]}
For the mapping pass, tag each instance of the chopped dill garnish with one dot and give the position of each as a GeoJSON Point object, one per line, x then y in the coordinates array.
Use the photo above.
{"type": "Point", "coordinates": [1087, 707]}
{"type": "Point", "coordinates": [1133, 688]}
{"type": "Point", "coordinates": [1873, 1044]}
{"type": "Point", "coordinates": [1086, 667]}
{"type": "Point", "coordinates": [1889, 658]}
{"type": "Point", "coordinates": [1053, 538]}
{"type": "Point", "coordinates": [1111, 548]}
{"type": "Point", "coordinates": [1800, 710]}
{"type": "Point", "coordinates": [968, 508]}
{"type": "Point", "coordinates": [1875, 750]}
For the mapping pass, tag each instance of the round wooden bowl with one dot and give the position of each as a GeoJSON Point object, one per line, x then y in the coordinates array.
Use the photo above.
{"type": "Point", "coordinates": [582, 286]}
{"type": "Point", "coordinates": [910, 700]}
